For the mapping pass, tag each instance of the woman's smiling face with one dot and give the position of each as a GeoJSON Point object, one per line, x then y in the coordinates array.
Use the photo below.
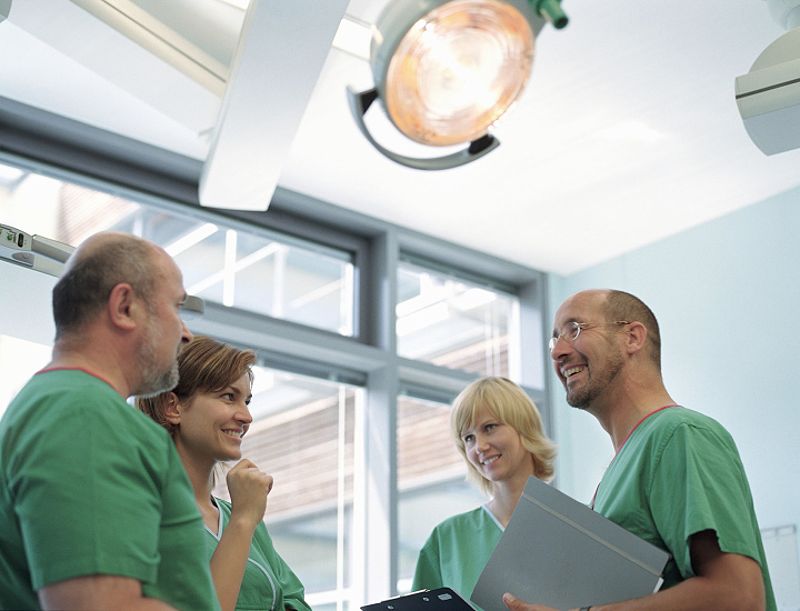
{"type": "Point", "coordinates": [495, 448]}
{"type": "Point", "coordinates": [213, 423]}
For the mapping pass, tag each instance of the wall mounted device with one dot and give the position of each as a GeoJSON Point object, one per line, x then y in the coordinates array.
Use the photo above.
{"type": "Point", "coordinates": [49, 256]}
{"type": "Point", "coordinates": [33, 251]}
{"type": "Point", "coordinates": [446, 70]}
{"type": "Point", "coordinates": [768, 96]}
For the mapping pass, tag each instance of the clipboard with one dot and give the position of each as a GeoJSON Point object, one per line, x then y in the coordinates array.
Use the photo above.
{"type": "Point", "coordinates": [556, 551]}
{"type": "Point", "coordinates": [440, 599]}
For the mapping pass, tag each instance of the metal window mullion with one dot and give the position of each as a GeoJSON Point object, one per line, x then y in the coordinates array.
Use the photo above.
{"type": "Point", "coordinates": [340, 494]}
{"type": "Point", "coordinates": [379, 568]}
{"type": "Point", "coordinates": [278, 278]}
{"type": "Point", "coordinates": [377, 573]}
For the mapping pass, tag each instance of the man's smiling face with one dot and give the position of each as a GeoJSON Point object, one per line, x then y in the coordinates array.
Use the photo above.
{"type": "Point", "coordinates": [588, 365]}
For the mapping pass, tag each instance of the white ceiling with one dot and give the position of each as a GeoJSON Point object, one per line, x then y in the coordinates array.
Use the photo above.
{"type": "Point", "coordinates": [628, 131]}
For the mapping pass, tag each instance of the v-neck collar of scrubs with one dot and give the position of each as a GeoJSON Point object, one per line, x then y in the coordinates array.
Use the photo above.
{"type": "Point", "coordinates": [217, 534]}
{"type": "Point", "coordinates": [261, 568]}
{"type": "Point", "coordinates": [485, 507]}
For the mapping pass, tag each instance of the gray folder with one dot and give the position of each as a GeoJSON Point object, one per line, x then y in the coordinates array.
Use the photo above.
{"type": "Point", "coordinates": [558, 552]}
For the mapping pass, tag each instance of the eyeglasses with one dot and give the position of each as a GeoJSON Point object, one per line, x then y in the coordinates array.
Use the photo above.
{"type": "Point", "coordinates": [572, 330]}
{"type": "Point", "coordinates": [192, 307]}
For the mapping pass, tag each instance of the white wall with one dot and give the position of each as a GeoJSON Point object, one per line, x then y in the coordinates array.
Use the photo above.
{"type": "Point", "coordinates": [727, 296]}
{"type": "Point", "coordinates": [26, 327]}
{"type": "Point", "coordinates": [26, 305]}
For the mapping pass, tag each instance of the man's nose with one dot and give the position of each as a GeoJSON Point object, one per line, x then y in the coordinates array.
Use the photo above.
{"type": "Point", "coordinates": [560, 348]}
{"type": "Point", "coordinates": [186, 335]}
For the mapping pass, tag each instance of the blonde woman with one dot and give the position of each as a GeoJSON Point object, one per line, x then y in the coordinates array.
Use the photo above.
{"type": "Point", "coordinates": [498, 431]}
{"type": "Point", "coordinates": [207, 415]}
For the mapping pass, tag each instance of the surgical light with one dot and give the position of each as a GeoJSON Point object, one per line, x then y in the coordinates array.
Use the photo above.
{"type": "Point", "coordinates": [445, 71]}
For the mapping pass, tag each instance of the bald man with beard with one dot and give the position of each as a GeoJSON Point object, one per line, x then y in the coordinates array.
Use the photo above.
{"type": "Point", "coordinates": [97, 510]}
{"type": "Point", "coordinates": [676, 479]}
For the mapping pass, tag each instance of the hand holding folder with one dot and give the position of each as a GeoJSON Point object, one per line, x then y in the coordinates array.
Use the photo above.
{"type": "Point", "coordinates": [555, 552]}
{"type": "Point", "coordinates": [558, 552]}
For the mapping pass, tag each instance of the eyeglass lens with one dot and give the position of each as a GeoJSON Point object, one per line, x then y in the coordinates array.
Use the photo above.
{"type": "Point", "coordinates": [569, 332]}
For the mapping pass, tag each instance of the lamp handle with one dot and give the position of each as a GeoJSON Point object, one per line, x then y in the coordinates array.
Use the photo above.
{"type": "Point", "coordinates": [551, 10]}
{"type": "Point", "coordinates": [360, 103]}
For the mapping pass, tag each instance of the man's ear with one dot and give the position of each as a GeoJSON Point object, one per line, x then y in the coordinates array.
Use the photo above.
{"type": "Point", "coordinates": [122, 305]}
{"type": "Point", "coordinates": [172, 411]}
{"type": "Point", "coordinates": [635, 336]}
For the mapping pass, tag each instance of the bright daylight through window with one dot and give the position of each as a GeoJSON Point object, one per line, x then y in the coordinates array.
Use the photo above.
{"type": "Point", "coordinates": [455, 323]}
{"type": "Point", "coordinates": [304, 283]}
{"type": "Point", "coordinates": [430, 478]}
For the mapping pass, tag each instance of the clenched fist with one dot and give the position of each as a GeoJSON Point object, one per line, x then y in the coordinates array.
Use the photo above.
{"type": "Point", "coordinates": [248, 487]}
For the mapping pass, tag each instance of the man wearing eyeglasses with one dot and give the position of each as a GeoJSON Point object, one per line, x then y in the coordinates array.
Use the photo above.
{"type": "Point", "coordinates": [676, 479]}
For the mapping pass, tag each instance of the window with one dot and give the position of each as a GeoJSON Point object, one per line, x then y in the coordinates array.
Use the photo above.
{"type": "Point", "coordinates": [454, 323]}
{"type": "Point", "coordinates": [277, 276]}
{"type": "Point", "coordinates": [430, 479]}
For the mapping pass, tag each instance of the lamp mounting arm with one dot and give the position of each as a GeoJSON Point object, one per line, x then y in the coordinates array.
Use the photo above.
{"type": "Point", "coordinates": [360, 103]}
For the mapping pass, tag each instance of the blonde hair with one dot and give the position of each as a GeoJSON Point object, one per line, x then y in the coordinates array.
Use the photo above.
{"type": "Point", "coordinates": [508, 403]}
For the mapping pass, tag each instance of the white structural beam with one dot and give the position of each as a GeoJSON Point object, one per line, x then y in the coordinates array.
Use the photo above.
{"type": "Point", "coordinates": [80, 32]}
{"type": "Point", "coordinates": [281, 52]}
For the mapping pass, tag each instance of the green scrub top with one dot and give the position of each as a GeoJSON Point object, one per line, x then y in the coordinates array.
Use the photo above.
{"type": "Point", "coordinates": [268, 582]}
{"type": "Point", "coordinates": [457, 551]}
{"type": "Point", "coordinates": [90, 486]}
{"type": "Point", "coordinates": [679, 473]}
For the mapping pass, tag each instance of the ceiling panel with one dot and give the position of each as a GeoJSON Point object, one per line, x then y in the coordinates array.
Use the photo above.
{"type": "Point", "coordinates": [628, 131]}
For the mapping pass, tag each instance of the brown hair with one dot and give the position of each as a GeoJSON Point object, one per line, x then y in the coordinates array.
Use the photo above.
{"type": "Point", "coordinates": [508, 403]}
{"type": "Point", "coordinates": [620, 305]}
{"type": "Point", "coordinates": [204, 365]}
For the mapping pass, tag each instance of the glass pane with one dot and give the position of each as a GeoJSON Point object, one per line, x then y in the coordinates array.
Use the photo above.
{"type": "Point", "coordinates": [430, 479]}
{"type": "Point", "coordinates": [312, 286]}
{"type": "Point", "coordinates": [303, 434]}
{"type": "Point", "coordinates": [454, 323]}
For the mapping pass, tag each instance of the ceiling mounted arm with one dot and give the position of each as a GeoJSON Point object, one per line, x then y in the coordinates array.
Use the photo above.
{"type": "Point", "coordinates": [280, 54]}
